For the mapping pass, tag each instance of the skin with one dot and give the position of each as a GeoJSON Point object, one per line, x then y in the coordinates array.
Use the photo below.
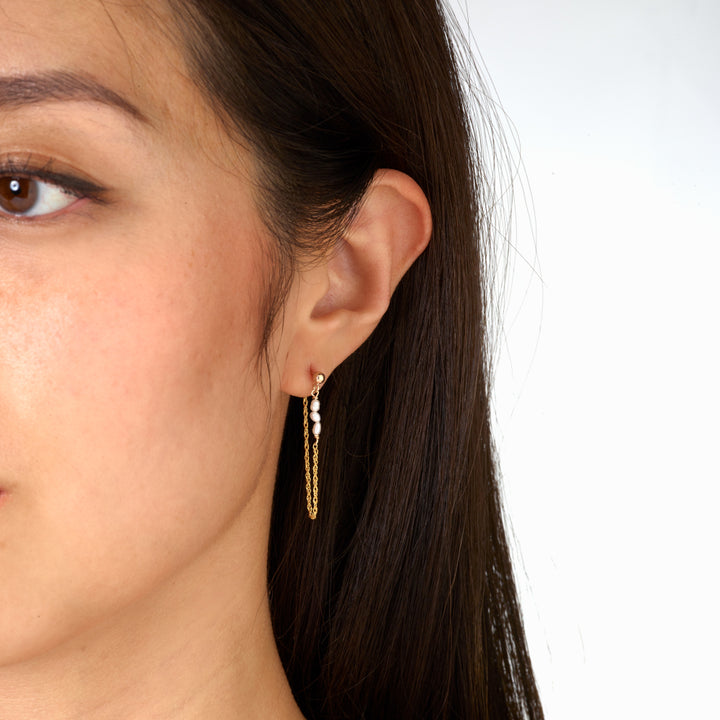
{"type": "Point", "coordinates": [140, 434]}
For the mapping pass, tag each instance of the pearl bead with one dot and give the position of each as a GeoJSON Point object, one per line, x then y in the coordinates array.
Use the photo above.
{"type": "Point", "coordinates": [315, 417]}
{"type": "Point", "coordinates": [316, 429]}
{"type": "Point", "coordinates": [315, 405]}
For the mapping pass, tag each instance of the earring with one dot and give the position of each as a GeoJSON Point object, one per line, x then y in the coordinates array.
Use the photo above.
{"type": "Point", "coordinates": [312, 493]}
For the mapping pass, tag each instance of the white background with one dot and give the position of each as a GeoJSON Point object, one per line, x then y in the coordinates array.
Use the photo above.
{"type": "Point", "coordinates": [607, 388]}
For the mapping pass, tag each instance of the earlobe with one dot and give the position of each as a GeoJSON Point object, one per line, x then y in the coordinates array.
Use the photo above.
{"type": "Point", "coordinates": [338, 303]}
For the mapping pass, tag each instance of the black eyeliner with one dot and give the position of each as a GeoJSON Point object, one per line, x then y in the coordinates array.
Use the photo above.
{"type": "Point", "coordinates": [74, 185]}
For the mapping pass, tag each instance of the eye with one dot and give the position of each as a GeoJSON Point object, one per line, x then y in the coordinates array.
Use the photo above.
{"type": "Point", "coordinates": [28, 197]}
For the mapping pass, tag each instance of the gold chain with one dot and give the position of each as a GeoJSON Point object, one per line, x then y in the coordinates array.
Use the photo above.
{"type": "Point", "coordinates": [310, 495]}
{"type": "Point", "coordinates": [313, 511]}
{"type": "Point", "coordinates": [311, 481]}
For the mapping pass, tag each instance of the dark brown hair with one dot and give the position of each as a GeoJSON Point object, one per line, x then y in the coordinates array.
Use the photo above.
{"type": "Point", "coordinates": [399, 601]}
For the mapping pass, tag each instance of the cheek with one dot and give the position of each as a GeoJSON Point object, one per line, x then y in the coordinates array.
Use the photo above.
{"type": "Point", "coordinates": [131, 362]}
{"type": "Point", "coordinates": [132, 437]}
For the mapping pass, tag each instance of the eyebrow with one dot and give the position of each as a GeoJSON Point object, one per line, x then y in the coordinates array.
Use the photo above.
{"type": "Point", "coordinates": [21, 90]}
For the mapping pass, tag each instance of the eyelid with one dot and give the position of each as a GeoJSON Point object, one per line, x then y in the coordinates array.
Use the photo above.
{"type": "Point", "coordinates": [30, 168]}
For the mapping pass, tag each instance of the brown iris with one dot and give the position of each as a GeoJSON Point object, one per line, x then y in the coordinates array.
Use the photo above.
{"type": "Point", "coordinates": [17, 194]}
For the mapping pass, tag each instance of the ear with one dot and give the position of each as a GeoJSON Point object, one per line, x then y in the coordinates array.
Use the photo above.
{"type": "Point", "coordinates": [335, 304]}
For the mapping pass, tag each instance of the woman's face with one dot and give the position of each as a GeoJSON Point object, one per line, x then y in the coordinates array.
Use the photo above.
{"type": "Point", "coordinates": [135, 428]}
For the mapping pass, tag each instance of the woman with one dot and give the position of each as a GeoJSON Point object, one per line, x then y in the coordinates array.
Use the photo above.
{"type": "Point", "coordinates": [209, 211]}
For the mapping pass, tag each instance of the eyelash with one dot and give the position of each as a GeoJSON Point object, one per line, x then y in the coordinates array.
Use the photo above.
{"type": "Point", "coordinates": [72, 185]}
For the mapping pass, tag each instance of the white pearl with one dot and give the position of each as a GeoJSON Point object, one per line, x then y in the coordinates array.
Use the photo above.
{"type": "Point", "coordinates": [315, 416]}
{"type": "Point", "coordinates": [316, 429]}
{"type": "Point", "coordinates": [315, 405]}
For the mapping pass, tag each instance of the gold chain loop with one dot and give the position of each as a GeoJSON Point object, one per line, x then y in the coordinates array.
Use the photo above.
{"type": "Point", "coordinates": [311, 481]}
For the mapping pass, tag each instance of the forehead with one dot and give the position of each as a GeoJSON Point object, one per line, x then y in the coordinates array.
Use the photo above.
{"type": "Point", "coordinates": [126, 45]}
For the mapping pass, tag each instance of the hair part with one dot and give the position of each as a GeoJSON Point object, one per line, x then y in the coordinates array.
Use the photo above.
{"type": "Point", "coordinates": [399, 601]}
